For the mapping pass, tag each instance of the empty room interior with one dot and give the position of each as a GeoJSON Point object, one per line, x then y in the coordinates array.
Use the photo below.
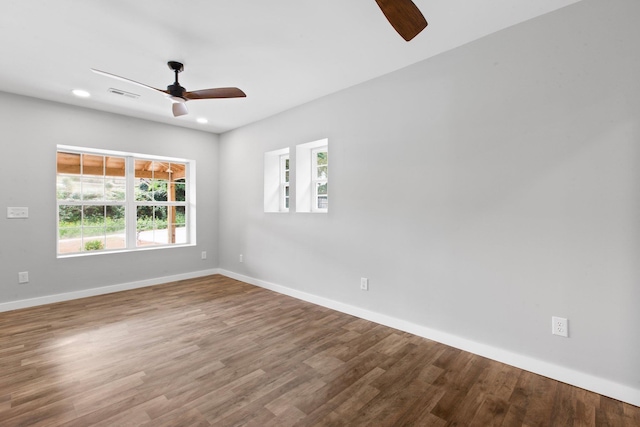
{"type": "Point", "coordinates": [357, 230]}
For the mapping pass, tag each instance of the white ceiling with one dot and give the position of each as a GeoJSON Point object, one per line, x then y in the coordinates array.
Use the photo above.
{"type": "Point", "coordinates": [282, 53]}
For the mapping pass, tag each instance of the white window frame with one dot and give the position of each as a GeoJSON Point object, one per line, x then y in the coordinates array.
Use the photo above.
{"type": "Point", "coordinates": [131, 204]}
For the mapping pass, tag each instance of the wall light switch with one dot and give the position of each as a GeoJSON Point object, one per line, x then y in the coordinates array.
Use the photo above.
{"type": "Point", "coordinates": [17, 212]}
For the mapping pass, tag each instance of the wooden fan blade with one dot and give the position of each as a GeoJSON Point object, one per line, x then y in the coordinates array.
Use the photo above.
{"type": "Point", "coordinates": [221, 92]}
{"type": "Point", "coordinates": [404, 16]}
{"type": "Point", "coordinates": [113, 76]}
{"type": "Point", "coordinates": [179, 109]}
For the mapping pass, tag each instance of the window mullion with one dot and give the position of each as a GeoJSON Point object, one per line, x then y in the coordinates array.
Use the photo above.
{"type": "Point", "coordinates": [130, 209]}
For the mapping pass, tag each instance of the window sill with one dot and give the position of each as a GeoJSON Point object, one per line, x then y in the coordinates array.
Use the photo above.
{"type": "Point", "coordinates": [120, 251]}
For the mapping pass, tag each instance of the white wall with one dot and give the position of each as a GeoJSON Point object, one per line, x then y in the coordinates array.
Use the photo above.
{"type": "Point", "coordinates": [31, 129]}
{"type": "Point", "coordinates": [481, 192]}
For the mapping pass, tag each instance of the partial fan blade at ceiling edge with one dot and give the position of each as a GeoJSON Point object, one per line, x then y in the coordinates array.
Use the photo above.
{"type": "Point", "coordinates": [123, 79]}
{"type": "Point", "coordinates": [404, 16]}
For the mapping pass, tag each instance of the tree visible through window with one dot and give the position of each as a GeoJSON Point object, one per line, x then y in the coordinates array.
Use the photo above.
{"type": "Point", "coordinates": [102, 206]}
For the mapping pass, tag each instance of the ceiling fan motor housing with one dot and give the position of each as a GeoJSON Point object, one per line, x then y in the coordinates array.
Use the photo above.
{"type": "Point", "coordinates": [176, 90]}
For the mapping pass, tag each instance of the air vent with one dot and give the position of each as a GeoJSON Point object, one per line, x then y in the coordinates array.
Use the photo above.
{"type": "Point", "coordinates": [124, 93]}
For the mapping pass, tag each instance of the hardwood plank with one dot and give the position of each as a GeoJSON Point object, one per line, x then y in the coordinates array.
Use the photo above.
{"type": "Point", "coordinates": [216, 351]}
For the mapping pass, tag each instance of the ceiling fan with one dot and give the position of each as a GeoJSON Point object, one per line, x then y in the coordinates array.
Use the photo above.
{"type": "Point", "coordinates": [179, 95]}
{"type": "Point", "coordinates": [404, 16]}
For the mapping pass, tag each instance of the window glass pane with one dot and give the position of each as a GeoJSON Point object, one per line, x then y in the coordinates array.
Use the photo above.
{"type": "Point", "coordinates": [178, 171]}
{"type": "Point", "coordinates": [152, 225]}
{"type": "Point", "coordinates": [68, 163]}
{"type": "Point", "coordinates": [69, 228]}
{"type": "Point", "coordinates": [115, 166]}
{"type": "Point", "coordinates": [69, 240]}
{"type": "Point", "coordinates": [92, 164]}
{"type": "Point", "coordinates": [144, 225]}
{"type": "Point", "coordinates": [160, 189]}
{"type": "Point", "coordinates": [322, 172]}
{"type": "Point", "coordinates": [321, 188]}
{"type": "Point", "coordinates": [323, 202]}
{"type": "Point", "coordinates": [92, 188]}
{"type": "Point", "coordinates": [115, 227]}
{"type": "Point", "coordinates": [93, 242]}
{"type": "Point", "coordinates": [93, 216]}
{"type": "Point", "coordinates": [181, 194]}
{"type": "Point", "coordinates": [143, 168]}
{"type": "Point", "coordinates": [286, 176]}
{"type": "Point", "coordinates": [68, 187]}
{"type": "Point", "coordinates": [143, 190]}
{"type": "Point", "coordinates": [322, 158]}
{"type": "Point", "coordinates": [160, 217]}
{"type": "Point", "coordinates": [88, 232]}
{"type": "Point", "coordinates": [115, 189]}
{"type": "Point", "coordinates": [69, 216]}
{"type": "Point", "coordinates": [179, 231]}
{"type": "Point", "coordinates": [181, 215]}
{"type": "Point", "coordinates": [160, 170]}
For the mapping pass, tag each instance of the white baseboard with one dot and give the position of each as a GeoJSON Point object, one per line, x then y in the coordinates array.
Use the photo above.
{"type": "Point", "coordinates": [49, 299]}
{"type": "Point", "coordinates": [560, 373]}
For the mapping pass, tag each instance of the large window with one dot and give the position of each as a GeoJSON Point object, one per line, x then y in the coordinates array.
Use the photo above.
{"type": "Point", "coordinates": [120, 201]}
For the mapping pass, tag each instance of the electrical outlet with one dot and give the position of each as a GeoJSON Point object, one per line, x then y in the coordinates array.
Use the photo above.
{"type": "Point", "coordinates": [560, 326]}
{"type": "Point", "coordinates": [364, 283]}
{"type": "Point", "coordinates": [204, 255]}
{"type": "Point", "coordinates": [23, 277]}
{"type": "Point", "coordinates": [241, 258]}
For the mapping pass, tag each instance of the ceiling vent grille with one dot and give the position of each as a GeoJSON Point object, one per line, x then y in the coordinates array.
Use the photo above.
{"type": "Point", "coordinates": [124, 93]}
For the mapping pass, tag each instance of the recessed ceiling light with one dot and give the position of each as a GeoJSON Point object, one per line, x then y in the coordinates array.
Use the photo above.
{"type": "Point", "coordinates": [202, 120]}
{"type": "Point", "coordinates": [81, 93]}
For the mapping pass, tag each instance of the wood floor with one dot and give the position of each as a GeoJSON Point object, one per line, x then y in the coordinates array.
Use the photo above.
{"type": "Point", "coordinates": [218, 352]}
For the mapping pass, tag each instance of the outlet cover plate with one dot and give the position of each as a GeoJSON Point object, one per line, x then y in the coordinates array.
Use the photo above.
{"type": "Point", "coordinates": [23, 277]}
{"type": "Point", "coordinates": [560, 326]}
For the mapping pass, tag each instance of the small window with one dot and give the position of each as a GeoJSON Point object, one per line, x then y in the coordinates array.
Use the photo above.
{"type": "Point", "coordinates": [276, 181]}
{"type": "Point", "coordinates": [320, 179]}
{"type": "Point", "coordinates": [284, 183]}
{"type": "Point", "coordinates": [312, 176]}
{"type": "Point", "coordinates": [120, 201]}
